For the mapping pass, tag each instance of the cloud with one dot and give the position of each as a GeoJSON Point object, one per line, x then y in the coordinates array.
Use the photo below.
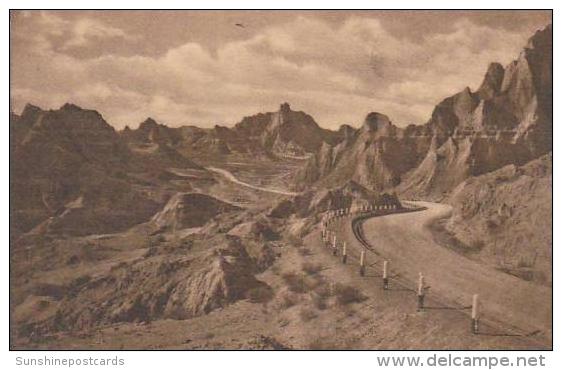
{"type": "Point", "coordinates": [337, 73]}
{"type": "Point", "coordinates": [84, 30]}
{"type": "Point", "coordinates": [76, 33]}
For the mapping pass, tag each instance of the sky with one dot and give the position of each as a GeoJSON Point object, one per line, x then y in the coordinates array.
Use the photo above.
{"type": "Point", "coordinates": [215, 67]}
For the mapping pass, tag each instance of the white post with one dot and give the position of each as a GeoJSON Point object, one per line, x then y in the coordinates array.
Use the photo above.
{"type": "Point", "coordinates": [475, 314]}
{"type": "Point", "coordinates": [475, 306]}
{"type": "Point", "coordinates": [335, 246]}
{"type": "Point", "coordinates": [362, 263]}
{"type": "Point", "coordinates": [344, 253]}
{"type": "Point", "coordinates": [420, 284]}
{"type": "Point", "coordinates": [420, 292]}
{"type": "Point", "coordinates": [385, 275]}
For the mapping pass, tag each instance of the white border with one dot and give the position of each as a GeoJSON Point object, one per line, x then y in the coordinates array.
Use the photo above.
{"type": "Point", "coordinates": [259, 360]}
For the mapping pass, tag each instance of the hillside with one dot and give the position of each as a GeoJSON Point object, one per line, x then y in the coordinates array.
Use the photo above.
{"type": "Point", "coordinates": [504, 218]}
{"type": "Point", "coordinates": [71, 168]}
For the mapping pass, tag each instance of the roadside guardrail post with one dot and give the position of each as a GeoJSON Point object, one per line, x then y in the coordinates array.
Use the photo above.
{"type": "Point", "coordinates": [475, 314]}
{"type": "Point", "coordinates": [421, 294]}
{"type": "Point", "coordinates": [362, 263]}
{"type": "Point", "coordinates": [385, 275]}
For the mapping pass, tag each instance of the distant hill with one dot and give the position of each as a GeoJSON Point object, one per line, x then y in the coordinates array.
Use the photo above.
{"type": "Point", "coordinates": [70, 166]}
{"type": "Point", "coordinates": [285, 133]}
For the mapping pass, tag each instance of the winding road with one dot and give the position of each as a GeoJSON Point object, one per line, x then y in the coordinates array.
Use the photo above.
{"type": "Point", "coordinates": [230, 177]}
{"type": "Point", "coordinates": [405, 240]}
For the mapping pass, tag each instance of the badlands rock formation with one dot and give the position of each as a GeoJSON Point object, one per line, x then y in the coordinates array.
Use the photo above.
{"type": "Point", "coordinates": [507, 120]}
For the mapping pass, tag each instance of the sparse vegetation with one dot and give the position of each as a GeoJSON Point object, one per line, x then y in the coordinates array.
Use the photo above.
{"type": "Point", "coordinates": [324, 291]}
{"type": "Point", "coordinates": [346, 294]}
{"type": "Point", "coordinates": [328, 343]}
{"type": "Point", "coordinates": [287, 300]}
{"type": "Point", "coordinates": [526, 261]}
{"type": "Point", "coordinates": [304, 251]}
{"type": "Point", "coordinates": [319, 301]}
{"type": "Point", "coordinates": [311, 268]}
{"type": "Point", "coordinates": [306, 314]}
{"type": "Point", "coordinates": [294, 241]}
{"type": "Point", "coordinates": [259, 294]}
{"type": "Point", "coordinates": [296, 283]}
{"type": "Point", "coordinates": [478, 244]}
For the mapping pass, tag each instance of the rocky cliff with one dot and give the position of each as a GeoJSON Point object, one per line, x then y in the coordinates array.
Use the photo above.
{"type": "Point", "coordinates": [507, 120]}
{"type": "Point", "coordinates": [284, 133]}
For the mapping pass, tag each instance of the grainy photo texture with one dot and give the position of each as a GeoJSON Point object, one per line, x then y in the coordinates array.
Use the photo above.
{"type": "Point", "coordinates": [280, 179]}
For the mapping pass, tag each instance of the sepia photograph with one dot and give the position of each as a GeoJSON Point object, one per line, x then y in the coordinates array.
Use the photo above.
{"type": "Point", "coordinates": [280, 180]}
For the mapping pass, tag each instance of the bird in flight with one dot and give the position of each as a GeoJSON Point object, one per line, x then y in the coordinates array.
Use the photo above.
{"type": "Point", "coordinates": [240, 25]}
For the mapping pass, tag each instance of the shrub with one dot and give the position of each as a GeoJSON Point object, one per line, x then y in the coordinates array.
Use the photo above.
{"type": "Point", "coordinates": [526, 261]}
{"type": "Point", "coordinates": [307, 314]}
{"type": "Point", "coordinates": [328, 343]}
{"type": "Point", "coordinates": [287, 300]}
{"type": "Point", "coordinates": [478, 244]}
{"type": "Point", "coordinates": [259, 294]}
{"type": "Point", "coordinates": [304, 252]}
{"type": "Point", "coordinates": [324, 291]}
{"type": "Point", "coordinates": [346, 294]}
{"type": "Point", "coordinates": [311, 268]}
{"type": "Point", "coordinates": [319, 301]}
{"type": "Point", "coordinates": [296, 282]}
{"type": "Point", "coordinates": [294, 241]}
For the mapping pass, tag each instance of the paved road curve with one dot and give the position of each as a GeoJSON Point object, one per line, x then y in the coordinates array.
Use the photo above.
{"type": "Point", "coordinates": [407, 243]}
